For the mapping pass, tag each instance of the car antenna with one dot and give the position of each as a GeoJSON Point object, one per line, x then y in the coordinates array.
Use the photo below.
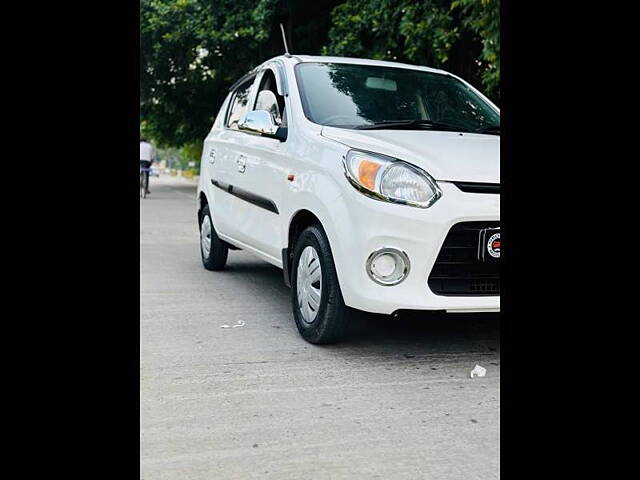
{"type": "Point", "coordinates": [284, 40]}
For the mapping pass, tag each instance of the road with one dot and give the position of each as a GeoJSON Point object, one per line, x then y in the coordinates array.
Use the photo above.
{"type": "Point", "coordinates": [394, 401]}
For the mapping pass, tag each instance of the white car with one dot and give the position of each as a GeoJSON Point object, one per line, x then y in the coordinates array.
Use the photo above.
{"type": "Point", "coordinates": [374, 185]}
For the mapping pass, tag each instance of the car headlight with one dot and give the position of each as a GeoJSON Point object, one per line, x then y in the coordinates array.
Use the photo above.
{"type": "Point", "coordinates": [390, 179]}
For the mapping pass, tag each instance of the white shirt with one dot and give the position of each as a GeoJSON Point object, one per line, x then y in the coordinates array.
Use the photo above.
{"type": "Point", "coordinates": [146, 151]}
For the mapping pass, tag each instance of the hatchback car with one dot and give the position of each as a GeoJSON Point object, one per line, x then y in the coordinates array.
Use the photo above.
{"type": "Point", "coordinates": [374, 185]}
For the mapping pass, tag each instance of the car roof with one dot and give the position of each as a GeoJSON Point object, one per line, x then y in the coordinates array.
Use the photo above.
{"type": "Point", "coordinates": [296, 59]}
{"type": "Point", "coordinates": [360, 61]}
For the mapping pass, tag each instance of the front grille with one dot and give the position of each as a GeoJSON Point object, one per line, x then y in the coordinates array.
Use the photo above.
{"type": "Point", "coordinates": [458, 271]}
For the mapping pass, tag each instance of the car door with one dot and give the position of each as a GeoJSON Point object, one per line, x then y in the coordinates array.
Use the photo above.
{"type": "Point", "coordinates": [261, 165]}
{"type": "Point", "coordinates": [221, 151]}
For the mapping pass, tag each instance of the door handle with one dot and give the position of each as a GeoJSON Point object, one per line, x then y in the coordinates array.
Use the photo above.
{"type": "Point", "coordinates": [242, 163]}
{"type": "Point", "coordinates": [212, 157]}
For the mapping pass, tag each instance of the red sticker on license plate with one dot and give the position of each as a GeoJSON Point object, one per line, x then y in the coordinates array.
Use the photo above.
{"type": "Point", "coordinates": [489, 245]}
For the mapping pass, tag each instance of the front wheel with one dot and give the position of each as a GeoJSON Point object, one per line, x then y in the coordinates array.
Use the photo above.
{"type": "Point", "coordinates": [213, 251]}
{"type": "Point", "coordinates": [318, 307]}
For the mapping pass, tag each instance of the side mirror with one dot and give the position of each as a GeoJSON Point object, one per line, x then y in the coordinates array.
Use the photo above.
{"type": "Point", "coordinates": [258, 121]}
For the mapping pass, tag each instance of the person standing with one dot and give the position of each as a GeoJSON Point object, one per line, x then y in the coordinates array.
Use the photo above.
{"type": "Point", "coordinates": [147, 154]}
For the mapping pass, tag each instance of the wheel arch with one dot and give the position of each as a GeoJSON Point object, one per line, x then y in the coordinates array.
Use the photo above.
{"type": "Point", "coordinates": [300, 220]}
{"type": "Point", "coordinates": [202, 202]}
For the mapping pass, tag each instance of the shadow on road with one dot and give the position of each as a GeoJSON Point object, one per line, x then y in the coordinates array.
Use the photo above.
{"type": "Point", "coordinates": [425, 333]}
{"type": "Point", "coordinates": [433, 331]}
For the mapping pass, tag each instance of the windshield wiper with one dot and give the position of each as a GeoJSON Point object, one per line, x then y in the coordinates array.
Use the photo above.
{"type": "Point", "coordinates": [410, 124]}
{"type": "Point", "coordinates": [492, 129]}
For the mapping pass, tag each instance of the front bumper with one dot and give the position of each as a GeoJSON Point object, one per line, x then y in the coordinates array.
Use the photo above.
{"type": "Point", "coordinates": [363, 225]}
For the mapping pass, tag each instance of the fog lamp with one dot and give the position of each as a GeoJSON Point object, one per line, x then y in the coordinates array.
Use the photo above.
{"type": "Point", "coordinates": [388, 266]}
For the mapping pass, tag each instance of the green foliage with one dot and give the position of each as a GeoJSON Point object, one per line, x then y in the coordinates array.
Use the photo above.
{"type": "Point", "coordinates": [171, 156]}
{"type": "Point", "coordinates": [192, 152]}
{"type": "Point", "coordinates": [428, 32]}
{"type": "Point", "coordinates": [419, 32]}
{"type": "Point", "coordinates": [191, 51]}
{"type": "Point", "coordinates": [179, 157]}
{"type": "Point", "coordinates": [483, 18]}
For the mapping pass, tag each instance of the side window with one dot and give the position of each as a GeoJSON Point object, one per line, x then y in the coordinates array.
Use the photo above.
{"type": "Point", "coordinates": [269, 100]}
{"type": "Point", "coordinates": [239, 104]}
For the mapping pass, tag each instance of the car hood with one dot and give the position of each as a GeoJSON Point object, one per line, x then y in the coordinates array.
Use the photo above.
{"type": "Point", "coordinates": [446, 156]}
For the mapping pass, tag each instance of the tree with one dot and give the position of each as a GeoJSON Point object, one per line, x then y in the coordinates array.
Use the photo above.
{"type": "Point", "coordinates": [191, 51]}
{"type": "Point", "coordinates": [461, 36]}
{"type": "Point", "coordinates": [482, 17]}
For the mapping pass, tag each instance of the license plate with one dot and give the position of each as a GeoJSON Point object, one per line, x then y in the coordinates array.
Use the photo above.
{"type": "Point", "coordinates": [489, 245]}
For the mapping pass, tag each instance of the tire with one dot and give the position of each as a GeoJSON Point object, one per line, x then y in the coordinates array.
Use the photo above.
{"type": "Point", "coordinates": [328, 322]}
{"type": "Point", "coordinates": [216, 257]}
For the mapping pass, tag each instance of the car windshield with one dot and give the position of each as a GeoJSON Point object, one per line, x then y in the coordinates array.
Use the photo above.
{"type": "Point", "coordinates": [376, 97]}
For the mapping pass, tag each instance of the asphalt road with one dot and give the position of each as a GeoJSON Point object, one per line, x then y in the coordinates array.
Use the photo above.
{"type": "Point", "coordinates": [394, 401]}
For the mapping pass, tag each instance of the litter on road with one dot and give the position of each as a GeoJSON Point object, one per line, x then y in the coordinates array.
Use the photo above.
{"type": "Point", "coordinates": [239, 324]}
{"type": "Point", "coordinates": [478, 371]}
